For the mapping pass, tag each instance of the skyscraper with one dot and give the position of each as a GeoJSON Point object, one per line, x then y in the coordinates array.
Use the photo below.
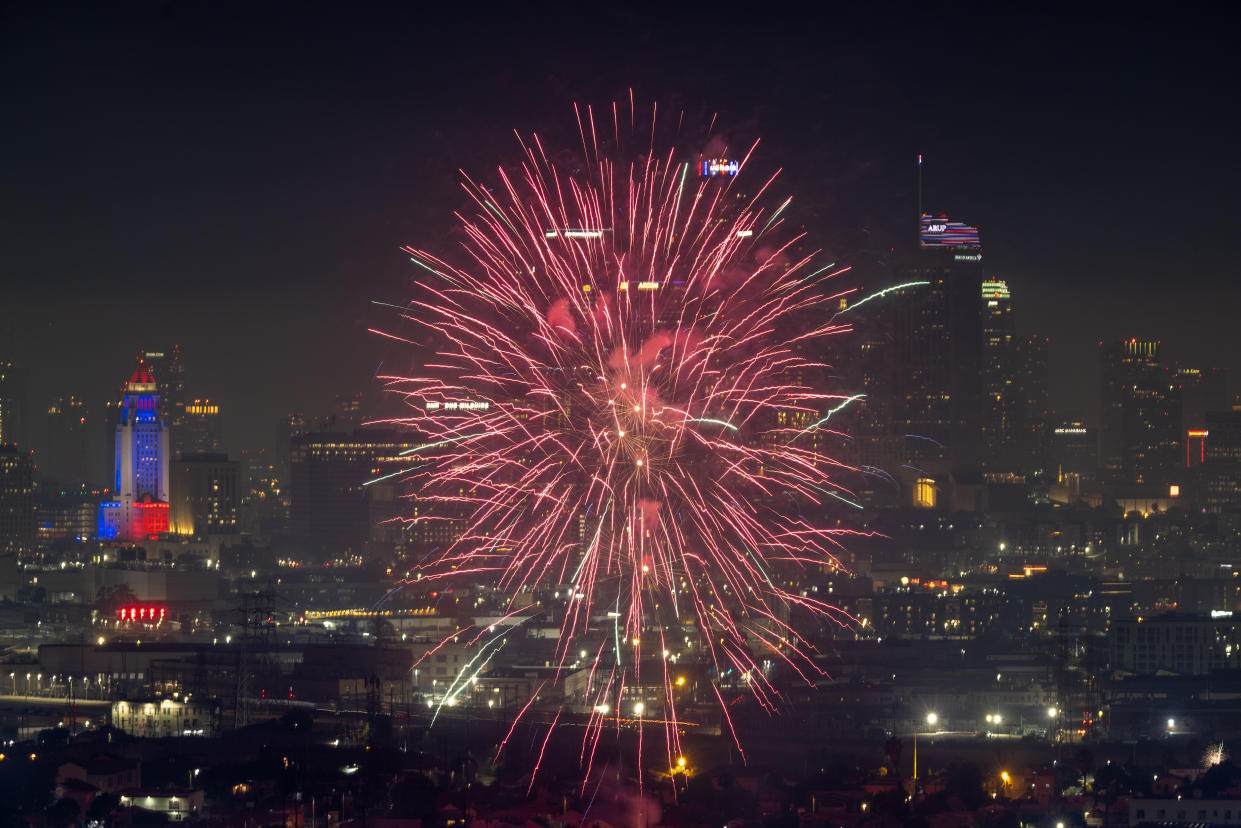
{"type": "Point", "coordinates": [263, 503]}
{"type": "Point", "coordinates": [875, 449]}
{"type": "Point", "coordinates": [1140, 429]}
{"type": "Point", "coordinates": [1074, 454]}
{"type": "Point", "coordinates": [102, 445]}
{"type": "Point", "coordinates": [1221, 461]}
{"type": "Point", "coordinates": [1003, 400]}
{"type": "Point", "coordinates": [202, 428]}
{"type": "Point", "coordinates": [13, 403]}
{"type": "Point", "coordinates": [16, 501]}
{"type": "Point", "coordinates": [331, 500]}
{"type": "Point", "coordinates": [167, 368]}
{"type": "Point", "coordinates": [17, 521]}
{"type": "Point", "coordinates": [141, 480]}
{"type": "Point", "coordinates": [1202, 390]}
{"type": "Point", "coordinates": [938, 349]}
{"type": "Point", "coordinates": [204, 495]}
{"type": "Point", "coordinates": [1035, 438]}
{"type": "Point", "coordinates": [67, 459]}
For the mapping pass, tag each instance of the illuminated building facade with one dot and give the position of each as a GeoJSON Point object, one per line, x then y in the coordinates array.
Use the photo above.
{"type": "Point", "coordinates": [72, 518]}
{"type": "Point", "coordinates": [203, 495]}
{"type": "Point", "coordinates": [1140, 439]}
{"type": "Point", "coordinates": [141, 480]}
{"type": "Point", "coordinates": [166, 718]}
{"type": "Point", "coordinates": [1195, 447]}
{"type": "Point", "coordinates": [722, 167]}
{"type": "Point", "coordinates": [924, 493]}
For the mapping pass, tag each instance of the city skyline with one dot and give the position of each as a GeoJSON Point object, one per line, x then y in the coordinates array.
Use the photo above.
{"type": "Point", "coordinates": [418, 416]}
{"type": "Point", "coordinates": [268, 241]}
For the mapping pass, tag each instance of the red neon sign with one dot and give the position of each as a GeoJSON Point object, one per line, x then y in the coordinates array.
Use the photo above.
{"type": "Point", "coordinates": [149, 613]}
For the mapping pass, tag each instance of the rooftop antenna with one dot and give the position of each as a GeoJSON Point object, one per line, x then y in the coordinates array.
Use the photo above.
{"type": "Point", "coordinates": [920, 213]}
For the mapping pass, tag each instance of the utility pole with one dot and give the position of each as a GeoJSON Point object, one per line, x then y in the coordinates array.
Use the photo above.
{"type": "Point", "coordinates": [1062, 679]}
{"type": "Point", "coordinates": [256, 632]}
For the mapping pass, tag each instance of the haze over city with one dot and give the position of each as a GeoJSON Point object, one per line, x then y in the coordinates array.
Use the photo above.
{"type": "Point", "coordinates": [610, 416]}
{"type": "Point", "coordinates": [254, 173]}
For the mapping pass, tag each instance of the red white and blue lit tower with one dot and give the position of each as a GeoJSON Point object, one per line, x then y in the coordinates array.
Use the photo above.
{"type": "Point", "coordinates": [141, 482]}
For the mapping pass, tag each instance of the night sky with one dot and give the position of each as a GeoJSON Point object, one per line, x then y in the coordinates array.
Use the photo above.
{"type": "Point", "coordinates": [239, 182]}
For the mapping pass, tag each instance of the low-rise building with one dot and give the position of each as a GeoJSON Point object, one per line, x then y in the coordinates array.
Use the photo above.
{"type": "Point", "coordinates": [162, 718]}
{"type": "Point", "coordinates": [1184, 811]}
{"type": "Point", "coordinates": [177, 805]}
{"type": "Point", "coordinates": [106, 773]}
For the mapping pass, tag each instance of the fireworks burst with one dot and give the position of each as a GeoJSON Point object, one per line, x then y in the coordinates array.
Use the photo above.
{"type": "Point", "coordinates": [1214, 755]}
{"type": "Point", "coordinates": [621, 405]}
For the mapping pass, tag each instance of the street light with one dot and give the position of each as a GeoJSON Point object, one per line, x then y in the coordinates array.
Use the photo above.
{"type": "Point", "coordinates": [931, 718]}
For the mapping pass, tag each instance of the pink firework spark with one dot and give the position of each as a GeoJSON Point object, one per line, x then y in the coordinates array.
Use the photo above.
{"type": "Point", "coordinates": [620, 402]}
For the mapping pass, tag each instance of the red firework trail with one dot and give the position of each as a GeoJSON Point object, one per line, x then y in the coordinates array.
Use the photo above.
{"type": "Point", "coordinates": [619, 401]}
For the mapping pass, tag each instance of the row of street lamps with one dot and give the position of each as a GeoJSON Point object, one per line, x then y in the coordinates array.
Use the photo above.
{"type": "Point", "coordinates": [932, 719]}
{"type": "Point", "coordinates": [37, 679]}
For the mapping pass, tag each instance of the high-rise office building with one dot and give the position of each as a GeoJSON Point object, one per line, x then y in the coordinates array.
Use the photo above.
{"type": "Point", "coordinates": [169, 372]}
{"type": "Point", "coordinates": [202, 429]}
{"type": "Point", "coordinates": [865, 359]}
{"type": "Point", "coordinates": [1034, 438]}
{"type": "Point", "coordinates": [1202, 390]}
{"type": "Point", "coordinates": [264, 501]}
{"type": "Point", "coordinates": [17, 531]}
{"type": "Point", "coordinates": [1003, 394]}
{"type": "Point", "coordinates": [17, 516]}
{"type": "Point", "coordinates": [290, 426]}
{"type": "Point", "coordinates": [102, 445]}
{"type": "Point", "coordinates": [331, 476]}
{"type": "Point", "coordinates": [1221, 461]}
{"type": "Point", "coordinates": [1140, 428]}
{"type": "Point", "coordinates": [14, 401]}
{"type": "Point", "coordinates": [67, 459]}
{"type": "Point", "coordinates": [141, 479]}
{"type": "Point", "coordinates": [203, 495]}
{"type": "Point", "coordinates": [1074, 460]}
{"type": "Point", "coordinates": [938, 349]}
{"type": "Point", "coordinates": [70, 517]}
